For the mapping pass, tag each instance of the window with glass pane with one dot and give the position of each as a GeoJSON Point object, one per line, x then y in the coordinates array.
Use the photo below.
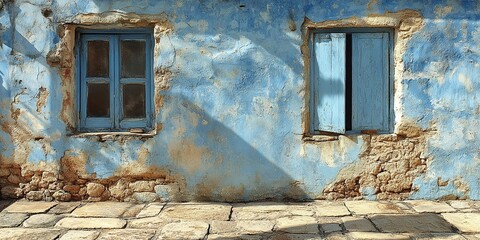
{"type": "Point", "coordinates": [115, 79]}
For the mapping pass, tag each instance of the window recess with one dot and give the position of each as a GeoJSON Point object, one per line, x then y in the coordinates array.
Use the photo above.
{"type": "Point", "coordinates": [115, 80]}
{"type": "Point", "coordinates": [351, 82]}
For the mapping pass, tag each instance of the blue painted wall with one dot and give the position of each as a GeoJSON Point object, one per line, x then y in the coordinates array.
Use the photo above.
{"type": "Point", "coordinates": [232, 119]}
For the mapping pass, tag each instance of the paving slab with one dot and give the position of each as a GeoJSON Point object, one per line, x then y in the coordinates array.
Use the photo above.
{"type": "Point", "coordinates": [12, 219]}
{"type": "Point", "coordinates": [30, 207]}
{"type": "Point", "coordinates": [64, 207]}
{"type": "Point", "coordinates": [372, 207]}
{"type": "Point", "coordinates": [133, 211]}
{"type": "Point", "coordinates": [149, 222]}
{"type": "Point", "coordinates": [461, 204]}
{"type": "Point", "coordinates": [472, 236]}
{"type": "Point", "coordinates": [358, 224]}
{"type": "Point", "coordinates": [151, 210]}
{"type": "Point", "coordinates": [336, 236]}
{"type": "Point", "coordinates": [41, 221]}
{"type": "Point", "coordinates": [184, 230]}
{"type": "Point", "coordinates": [102, 209]}
{"type": "Point", "coordinates": [236, 236]}
{"type": "Point", "coordinates": [90, 223]}
{"type": "Point", "coordinates": [423, 206]}
{"type": "Point", "coordinates": [127, 234]}
{"type": "Point", "coordinates": [29, 234]}
{"type": "Point", "coordinates": [260, 211]}
{"type": "Point", "coordinates": [4, 204]}
{"type": "Point", "coordinates": [290, 236]}
{"type": "Point", "coordinates": [439, 236]}
{"type": "Point", "coordinates": [411, 223]}
{"type": "Point", "coordinates": [244, 227]}
{"type": "Point", "coordinates": [330, 228]}
{"type": "Point", "coordinates": [80, 235]}
{"type": "Point", "coordinates": [330, 209]}
{"type": "Point", "coordinates": [379, 236]}
{"type": "Point", "coordinates": [300, 209]}
{"type": "Point", "coordinates": [196, 211]}
{"type": "Point", "coordinates": [465, 222]}
{"type": "Point", "coordinates": [297, 224]}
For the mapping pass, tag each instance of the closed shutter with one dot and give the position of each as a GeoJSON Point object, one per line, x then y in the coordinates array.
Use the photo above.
{"type": "Point", "coordinates": [370, 81]}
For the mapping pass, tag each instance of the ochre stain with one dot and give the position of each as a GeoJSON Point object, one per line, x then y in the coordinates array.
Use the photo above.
{"type": "Point", "coordinates": [41, 98]}
{"type": "Point", "coordinates": [371, 4]}
{"type": "Point", "coordinates": [72, 165]}
{"type": "Point", "coordinates": [187, 154]}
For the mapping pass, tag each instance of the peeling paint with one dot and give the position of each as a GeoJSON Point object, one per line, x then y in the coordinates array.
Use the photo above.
{"type": "Point", "coordinates": [231, 104]}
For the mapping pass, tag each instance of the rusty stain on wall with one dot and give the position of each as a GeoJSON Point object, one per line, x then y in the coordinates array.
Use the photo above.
{"type": "Point", "coordinates": [230, 105]}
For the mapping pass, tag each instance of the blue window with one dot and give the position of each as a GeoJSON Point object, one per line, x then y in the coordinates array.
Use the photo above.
{"type": "Point", "coordinates": [351, 80]}
{"type": "Point", "coordinates": [115, 80]}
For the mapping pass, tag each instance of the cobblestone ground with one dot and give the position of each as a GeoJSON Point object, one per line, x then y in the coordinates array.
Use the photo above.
{"type": "Point", "coordinates": [262, 220]}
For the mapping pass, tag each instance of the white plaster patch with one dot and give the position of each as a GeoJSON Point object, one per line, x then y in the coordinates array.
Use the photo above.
{"type": "Point", "coordinates": [465, 81]}
{"type": "Point", "coordinates": [266, 14]}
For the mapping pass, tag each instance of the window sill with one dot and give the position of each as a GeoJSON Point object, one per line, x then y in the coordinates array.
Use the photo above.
{"type": "Point", "coordinates": [327, 137]}
{"type": "Point", "coordinates": [320, 138]}
{"type": "Point", "coordinates": [112, 136]}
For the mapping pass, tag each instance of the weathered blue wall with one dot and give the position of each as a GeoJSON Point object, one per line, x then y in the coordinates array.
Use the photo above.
{"type": "Point", "coordinates": [231, 119]}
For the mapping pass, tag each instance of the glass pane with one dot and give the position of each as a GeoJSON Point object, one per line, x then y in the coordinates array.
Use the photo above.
{"type": "Point", "coordinates": [97, 59]}
{"type": "Point", "coordinates": [134, 101]}
{"type": "Point", "coordinates": [133, 59]}
{"type": "Point", "coordinates": [98, 100]}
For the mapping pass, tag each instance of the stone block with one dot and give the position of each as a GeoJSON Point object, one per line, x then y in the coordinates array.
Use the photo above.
{"type": "Point", "coordinates": [184, 230]}
{"type": "Point", "coordinates": [90, 223]}
{"type": "Point", "coordinates": [297, 224]}
{"type": "Point", "coordinates": [102, 209]}
{"type": "Point", "coordinates": [372, 207]}
{"type": "Point", "coordinates": [133, 211]}
{"type": "Point", "coordinates": [151, 210]}
{"type": "Point", "coordinates": [358, 224]}
{"type": "Point", "coordinates": [80, 235]}
{"type": "Point", "coordinates": [196, 211]}
{"type": "Point", "coordinates": [378, 236]}
{"type": "Point", "coordinates": [34, 195]}
{"type": "Point", "coordinates": [30, 207]}
{"type": "Point", "coordinates": [95, 189]}
{"type": "Point", "coordinates": [64, 207]}
{"type": "Point", "coordinates": [11, 192]}
{"type": "Point", "coordinates": [412, 223]}
{"type": "Point", "coordinates": [12, 219]}
{"type": "Point", "coordinates": [465, 222]}
{"type": "Point", "coordinates": [29, 233]}
{"type": "Point", "coordinates": [144, 197]}
{"type": "Point", "coordinates": [127, 234]}
{"type": "Point", "coordinates": [142, 186]}
{"type": "Point", "coordinates": [330, 209]}
{"type": "Point", "coordinates": [423, 206]}
{"type": "Point", "coordinates": [41, 221]}
{"type": "Point", "coordinates": [62, 196]}
{"type": "Point", "coordinates": [149, 222]}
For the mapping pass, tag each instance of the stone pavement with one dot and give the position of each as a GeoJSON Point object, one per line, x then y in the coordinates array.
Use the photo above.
{"type": "Point", "coordinates": [261, 220]}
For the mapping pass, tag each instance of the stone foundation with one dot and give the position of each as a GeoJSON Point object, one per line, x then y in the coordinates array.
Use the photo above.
{"type": "Point", "coordinates": [49, 186]}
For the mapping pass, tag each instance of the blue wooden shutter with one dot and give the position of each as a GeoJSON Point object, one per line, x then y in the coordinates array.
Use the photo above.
{"type": "Point", "coordinates": [370, 81]}
{"type": "Point", "coordinates": [328, 75]}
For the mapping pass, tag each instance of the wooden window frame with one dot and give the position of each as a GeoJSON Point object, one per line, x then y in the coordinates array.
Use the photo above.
{"type": "Point", "coordinates": [389, 112]}
{"type": "Point", "coordinates": [115, 122]}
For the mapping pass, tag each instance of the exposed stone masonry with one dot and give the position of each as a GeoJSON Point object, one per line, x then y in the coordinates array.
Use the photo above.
{"type": "Point", "coordinates": [387, 167]}
{"type": "Point", "coordinates": [48, 186]}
